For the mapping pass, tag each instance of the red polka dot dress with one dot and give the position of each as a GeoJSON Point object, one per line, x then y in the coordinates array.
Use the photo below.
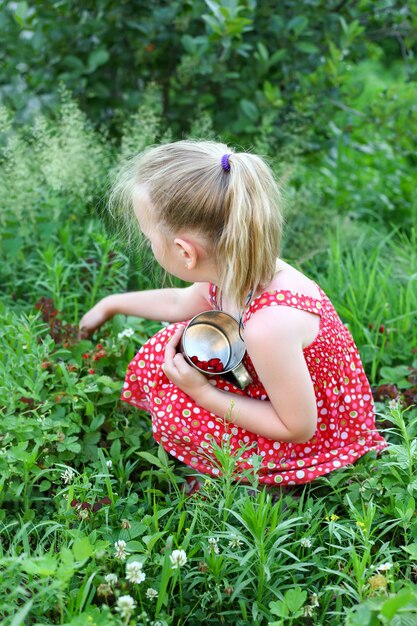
{"type": "Point", "coordinates": [346, 417]}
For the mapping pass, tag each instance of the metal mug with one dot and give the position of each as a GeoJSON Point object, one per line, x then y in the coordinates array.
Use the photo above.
{"type": "Point", "coordinates": [215, 335]}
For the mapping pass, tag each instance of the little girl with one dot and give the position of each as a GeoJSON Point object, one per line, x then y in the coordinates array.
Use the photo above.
{"type": "Point", "coordinates": [213, 218]}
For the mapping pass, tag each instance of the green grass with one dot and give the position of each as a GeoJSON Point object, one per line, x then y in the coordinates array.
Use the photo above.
{"type": "Point", "coordinates": [305, 556]}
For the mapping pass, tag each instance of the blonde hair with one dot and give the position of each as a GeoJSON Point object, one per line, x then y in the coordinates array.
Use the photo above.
{"type": "Point", "coordinates": [238, 211]}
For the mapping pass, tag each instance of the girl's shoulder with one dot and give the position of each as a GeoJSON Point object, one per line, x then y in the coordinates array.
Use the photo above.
{"type": "Point", "coordinates": [288, 278]}
{"type": "Point", "coordinates": [298, 317]}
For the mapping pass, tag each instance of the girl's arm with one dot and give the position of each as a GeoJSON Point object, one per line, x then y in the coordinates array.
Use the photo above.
{"type": "Point", "coordinates": [273, 341]}
{"type": "Point", "coordinates": [170, 305]}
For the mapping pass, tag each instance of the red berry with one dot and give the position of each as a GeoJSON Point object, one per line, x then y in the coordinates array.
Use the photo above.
{"type": "Point", "coordinates": [86, 355]}
{"type": "Point", "coordinates": [219, 367]}
{"type": "Point", "coordinates": [381, 329]}
{"type": "Point", "coordinates": [99, 346]}
{"type": "Point", "coordinates": [194, 359]}
{"type": "Point", "coordinates": [74, 502]}
{"type": "Point", "coordinates": [91, 371]}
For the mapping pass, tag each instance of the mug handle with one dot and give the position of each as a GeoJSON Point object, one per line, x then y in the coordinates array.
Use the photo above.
{"type": "Point", "coordinates": [241, 375]}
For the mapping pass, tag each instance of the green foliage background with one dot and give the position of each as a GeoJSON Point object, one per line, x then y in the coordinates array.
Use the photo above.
{"type": "Point", "coordinates": [327, 92]}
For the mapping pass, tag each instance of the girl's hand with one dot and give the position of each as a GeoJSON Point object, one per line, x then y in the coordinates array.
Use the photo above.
{"type": "Point", "coordinates": [179, 372]}
{"type": "Point", "coordinates": [93, 319]}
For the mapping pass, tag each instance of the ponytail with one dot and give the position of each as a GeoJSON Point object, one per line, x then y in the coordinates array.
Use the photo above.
{"type": "Point", "coordinates": [250, 240]}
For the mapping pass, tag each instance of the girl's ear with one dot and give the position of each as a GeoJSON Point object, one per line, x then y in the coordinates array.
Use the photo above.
{"type": "Point", "coordinates": [188, 252]}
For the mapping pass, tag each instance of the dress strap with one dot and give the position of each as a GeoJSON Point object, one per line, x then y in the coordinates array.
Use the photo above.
{"type": "Point", "coordinates": [286, 297]}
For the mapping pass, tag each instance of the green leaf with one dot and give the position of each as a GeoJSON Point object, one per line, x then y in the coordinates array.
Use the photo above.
{"type": "Point", "coordinates": [249, 109]}
{"type": "Point", "coordinates": [150, 540]}
{"type": "Point", "coordinates": [307, 47]}
{"type": "Point", "coordinates": [360, 617]}
{"type": "Point", "coordinates": [163, 456]}
{"type": "Point", "coordinates": [294, 599]}
{"type": "Point", "coordinates": [396, 375]}
{"type": "Point", "coordinates": [21, 13]}
{"type": "Point", "coordinates": [96, 58]}
{"type": "Point", "coordinates": [412, 550]}
{"type": "Point", "coordinates": [298, 24]}
{"type": "Point", "coordinates": [134, 546]}
{"type": "Point", "coordinates": [115, 449]}
{"type": "Point", "coordinates": [151, 458]}
{"type": "Point", "coordinates": [20, 616]}
{"type": "Point", "coordinates": [393, 605]}
{"type": "Point", "coordinates": [82, 549]}
{"type": "Point", "coordinates": [278, 608]}
{"type": "Point", "coordinates": [43, 566]}
{"type": "Point", "coordinates": [263, 52]}
{"type": "Point", "coordinates": [278, 56]}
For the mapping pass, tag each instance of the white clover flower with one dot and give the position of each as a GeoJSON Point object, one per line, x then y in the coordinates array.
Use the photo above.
{"type": "Point", "coordinates": [314, 600]}
{"type": "Point", "coordinates": [305, 542]}
{"type": "Point", "coordinates": [111, 579]}
{"type": "Point", "coordinates": [178, 558]}
{"type": "Point", "coordinates": [134, 572]}
{"type": "Point", "coordinates": [125, 606]}
{"type": "Point", "coordinates": [308, 610]}
{"type": "Point", "coordinates": [384, 567]}
{"type": "Point", "coordinates": [120, 549]}
{"type": "Point", "coordinates": [83, 514]}
{"type": "Point", "coordinates": [151, 593]}
{"type": "Point", "coordinates": [68, 475]}
{"type": "Point", "coordinates": [213, 544]}
{"type": "Point", "coordinates": [109, 463]}
{"type": "Point", "coordinates": [235, 542]}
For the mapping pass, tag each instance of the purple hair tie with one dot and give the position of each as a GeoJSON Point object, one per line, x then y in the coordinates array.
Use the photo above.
{"type": "Point", "coordinates": [225, 162]}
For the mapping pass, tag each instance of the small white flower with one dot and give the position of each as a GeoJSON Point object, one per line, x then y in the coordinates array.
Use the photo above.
{"type": "Point", "coordinates": [213, 544]}
{"type": "Point", "coordinates": [109, 463]}
{"type": "Point", "coordinates": [395, 403]}
{"type": "Point", "coordinates": [235, 542]}
{"type": "Point", "coordinates": [314, 600]}
{"type": "Point", "coordinates": [125, 606]}
{"type": "Point", "coordinates": [134, 572]}
{"type": "Point", "coordinates": [83, 514]}
{"type": "Point", "coordinates": [68, 475]}
{"type": "Point", "coordinates": [151, 593]}
{"type": "Point", "coordinates": [120, 549]}
{"type": "Point", "coordinates": [384, 567]}
{"type": "Point", "coordinates": [111, 579]}
{"type": "Point", "coordinates": [305, 542]}
{"type": "Point", "coordinates": [178, 558]}
{"type": "Point", "coordinates": [127, 332]}
{"type": "Point", "coordinates": [308, 610]}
